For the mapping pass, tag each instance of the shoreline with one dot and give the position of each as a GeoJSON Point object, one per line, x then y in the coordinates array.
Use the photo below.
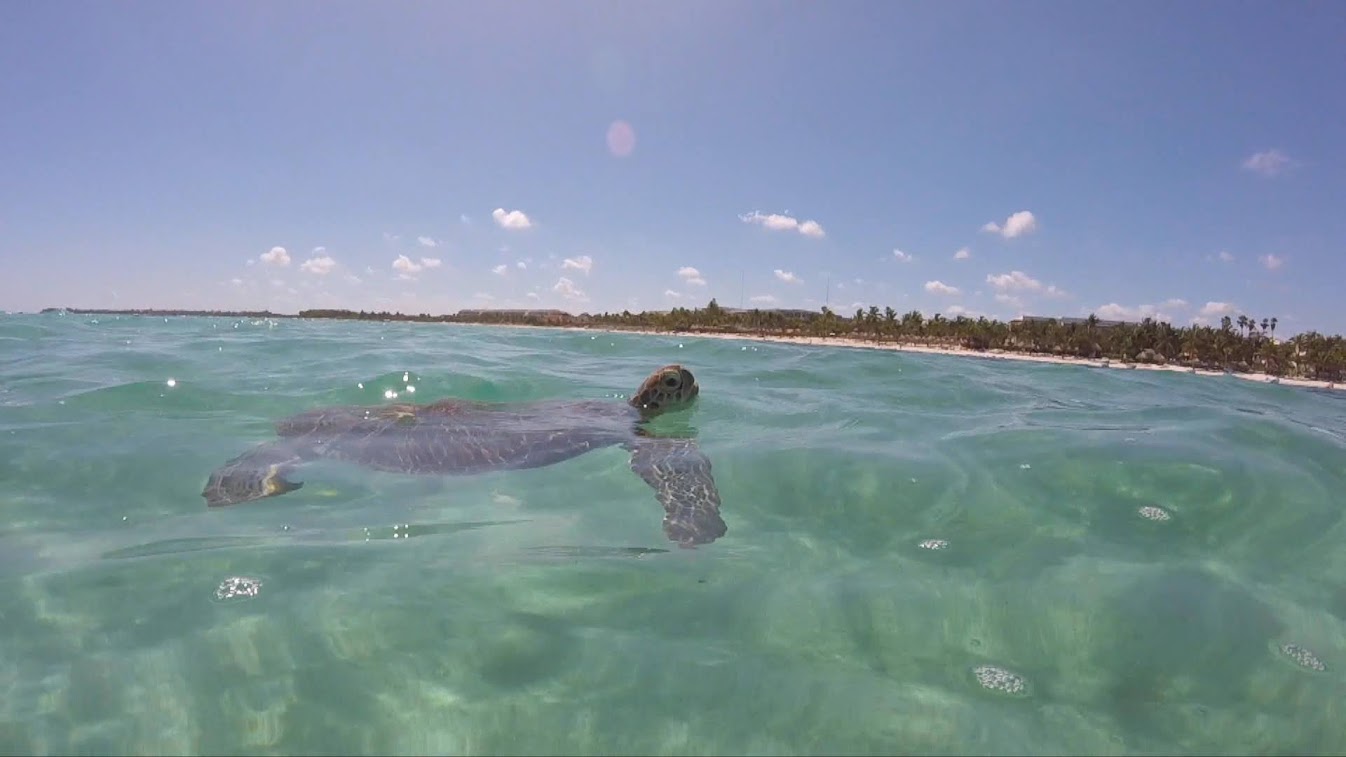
{"type": "Point", "coordinates": [807, 341]}
{"type": "Point", "coordinates": [847, 342]}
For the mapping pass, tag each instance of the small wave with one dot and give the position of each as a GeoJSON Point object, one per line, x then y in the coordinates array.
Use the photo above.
{"type": "Point", "coordinates": [934, 523]}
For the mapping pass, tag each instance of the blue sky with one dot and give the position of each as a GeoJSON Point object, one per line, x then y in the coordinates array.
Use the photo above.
{"type": "Point", "coordinates": [1126, 158]}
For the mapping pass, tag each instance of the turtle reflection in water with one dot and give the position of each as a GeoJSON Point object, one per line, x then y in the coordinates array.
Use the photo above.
{"type": "Point", "coordinates": [454, 436]}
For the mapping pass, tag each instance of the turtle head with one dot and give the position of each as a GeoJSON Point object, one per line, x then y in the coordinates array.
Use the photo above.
{"type": "Point", "coordinates": [669, 388]}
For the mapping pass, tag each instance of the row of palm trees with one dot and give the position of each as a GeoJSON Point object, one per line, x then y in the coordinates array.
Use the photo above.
{"type": "Point", "coordinates": [1240, 344]}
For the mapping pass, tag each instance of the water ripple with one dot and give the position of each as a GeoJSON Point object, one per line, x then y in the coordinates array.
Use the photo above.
{"type": "Point", "coordinates": [925, 554]}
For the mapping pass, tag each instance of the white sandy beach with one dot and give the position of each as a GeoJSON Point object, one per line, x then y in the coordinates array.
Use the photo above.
{"type": "Point", "coordinates": [988, 354]}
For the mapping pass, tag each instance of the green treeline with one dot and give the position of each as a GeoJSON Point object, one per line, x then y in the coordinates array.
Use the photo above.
{"type": "Point", "coordinates": [1238, 344]}
{"type": "Point", "coordinates": [166, 313]}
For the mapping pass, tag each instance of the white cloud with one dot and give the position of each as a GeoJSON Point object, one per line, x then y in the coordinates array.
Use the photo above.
{"type": "Point", "coordinates": [276, 256]}
{"type": "Point", "coordinates": [1160, 312]}
{"type": "Point", "coordinates": [957, 310]}
{"type": "Point", "coordinates": [500, 269]}
{"type": "Point", "coordinates": [1271, 262]}
{"type": "Point", "coordinates": [691, 276]}
{"type": "Point", "coordinates": [388, 236]}
{"type": "Point", "coordinates": [406, 265]}
{"type": "Point", "coordinates": [521, 265]}
{"type": "Point", "coordinates": [320, 266]}
{"type": "Point", "coordinates": [582, 263]}
{"type": "Point", "coordinates": [465, 219]}
{"type": "Point", "coordinates": [568, 290]}
{"type": "Point", "coordinates": [533, 295]}
{"type": "Point", "coordinates": [774, 221]}
{"type": "Point", "coordinates": [1018, 281]}
{"type": "Point", "coordinates": [1016, 225]}
{"type": "Point", "coordinates": [1225, 256]}
{"type": "Point", "coordinates": [784, 222]}
{"type": "Point", "coordinates": [427, 241]}
{"type": "Point", "coordinates": [431, 262]}
{"type": "Point", "coordinates": [763, 299]}
{"type": "Point", "coordinates": [236, 282]}
{"type": "Point", "coordinates": [1011, 300]}
{"type": "Point", "coordinates": [962, 254]}
{"type": "Point", "coordinates": [511, 219]}
{"type": "Point", "coordinates": [812, 229]}
{"type": "Point", "coordinates": [672, 294]}
{"type": "Point", "coordinates": [1268, 163]}
{"type": "Point", "coordinates": [1211, 309]}
{"type": "Point", "coordinates": [788, 277]}
{"type": "Point", "coordinates": [484, 296]}
{"type": "Point", "coordinates": [939, 287]}
{"type": "Point", "coordinates": [902, 256]}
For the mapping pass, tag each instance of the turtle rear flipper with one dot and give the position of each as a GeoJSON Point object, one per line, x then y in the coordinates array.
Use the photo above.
{"type": "Point", "coordinates": [680, 475]}
{"type": "Point", "coordinates": [260, 472]}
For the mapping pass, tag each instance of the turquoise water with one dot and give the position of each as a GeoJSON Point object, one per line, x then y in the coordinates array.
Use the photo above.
{"type": "Point", "coordinates": [543, 610]}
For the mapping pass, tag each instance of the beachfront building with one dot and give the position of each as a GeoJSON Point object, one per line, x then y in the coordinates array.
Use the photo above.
{"type": "Point", "coordinates": [1032, 320]}
{"type": "Point", "coordinates": [803, 315]}
{"type": "Point", "coordinates": [517, 315]}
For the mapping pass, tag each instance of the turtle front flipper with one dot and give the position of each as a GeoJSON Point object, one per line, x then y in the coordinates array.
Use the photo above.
{"type": "Point", "coordinates": [259, 472]}
{"type": "Point", "coordinates": [680, 475]}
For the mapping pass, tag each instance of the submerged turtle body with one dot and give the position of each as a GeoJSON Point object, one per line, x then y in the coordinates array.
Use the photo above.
{"type": "Point", "coordinates": [458, 437]}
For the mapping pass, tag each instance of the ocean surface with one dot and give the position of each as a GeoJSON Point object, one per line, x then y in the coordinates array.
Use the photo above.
{"type": "Point", "coordinates": [926, 554]}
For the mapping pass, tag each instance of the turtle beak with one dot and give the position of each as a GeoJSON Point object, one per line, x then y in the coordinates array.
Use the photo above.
{"type": "Point", "coordinates": [689, 386]}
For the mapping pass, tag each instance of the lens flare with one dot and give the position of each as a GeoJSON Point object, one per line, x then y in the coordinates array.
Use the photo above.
{"type": "Point", "coordinates": [621, 139]}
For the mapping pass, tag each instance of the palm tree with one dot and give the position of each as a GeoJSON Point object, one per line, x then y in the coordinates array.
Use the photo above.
{"type": "Point", "coordinates": [1251, 346]}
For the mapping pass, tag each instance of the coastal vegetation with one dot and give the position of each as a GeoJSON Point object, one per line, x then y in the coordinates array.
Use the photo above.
{"type": "Point", "coordinates": [1237, 343]}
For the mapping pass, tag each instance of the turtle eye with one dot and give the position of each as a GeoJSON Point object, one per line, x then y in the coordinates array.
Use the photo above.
{"type": "Point", "coordinates": [671, 380]}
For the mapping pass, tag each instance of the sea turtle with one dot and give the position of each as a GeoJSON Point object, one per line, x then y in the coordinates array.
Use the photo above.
{"type": "Point", "coordinates": [455, 436]}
